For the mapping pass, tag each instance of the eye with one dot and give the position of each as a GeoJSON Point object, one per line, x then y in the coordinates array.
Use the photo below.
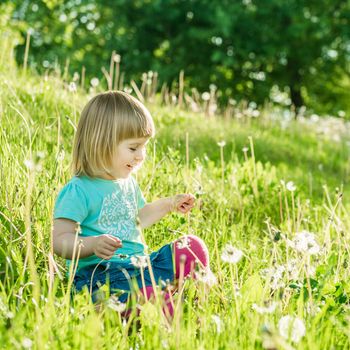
{"type": "Point", "coordinates": [132, 149]}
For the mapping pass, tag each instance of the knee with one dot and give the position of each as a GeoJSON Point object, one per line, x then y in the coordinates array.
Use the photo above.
{"type": "Point", "coordinates": [195, 247]}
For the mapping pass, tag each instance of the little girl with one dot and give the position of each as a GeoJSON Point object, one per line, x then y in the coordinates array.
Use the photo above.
{"type": "Point", "coordinates": [104, 205]}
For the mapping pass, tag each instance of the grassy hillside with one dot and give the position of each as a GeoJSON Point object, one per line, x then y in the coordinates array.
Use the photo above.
{"type": "Point", "coordinates": [242, 200]}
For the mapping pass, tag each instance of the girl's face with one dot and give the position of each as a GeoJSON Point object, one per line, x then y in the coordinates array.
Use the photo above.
{"type": "Point", "coordinates": [129, 157]}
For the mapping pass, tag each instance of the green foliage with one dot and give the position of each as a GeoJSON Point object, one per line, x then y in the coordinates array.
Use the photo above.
{"type": "Point", "coordinates": [243, 47]}
{"type": "Point", "coordinates": [240, 201]}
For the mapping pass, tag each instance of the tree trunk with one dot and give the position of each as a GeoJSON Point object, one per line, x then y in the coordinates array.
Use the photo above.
{"type": "Point", "coordinates": [295, 96]}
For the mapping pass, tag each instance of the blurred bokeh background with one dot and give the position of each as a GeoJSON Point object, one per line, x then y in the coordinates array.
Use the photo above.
{"type": "Point", "coordinates": [290, 52]}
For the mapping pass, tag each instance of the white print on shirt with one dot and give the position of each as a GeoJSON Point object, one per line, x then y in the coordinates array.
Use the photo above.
{"type": "Point", "coordinates": [117, 216]}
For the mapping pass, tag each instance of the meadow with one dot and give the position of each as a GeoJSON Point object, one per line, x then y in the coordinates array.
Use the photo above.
{"type": "Point", "coordinates": [272, 206]}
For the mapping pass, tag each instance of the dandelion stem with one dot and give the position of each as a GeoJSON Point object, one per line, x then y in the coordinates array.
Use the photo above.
{"type": "Point", "coordinates": [26, 52]}
{"type": "Point", "coordinates": [222, 168]}
{"type": "Point", "coordinates": [234, 293]}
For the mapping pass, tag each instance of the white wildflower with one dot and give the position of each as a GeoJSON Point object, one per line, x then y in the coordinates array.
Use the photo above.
{"type": "Point", "coordinates": [127, 89]}
{"type": "Point", "coordinates": [206, 96]}
{"type": "Point", "coordinates": [206, 276]}
{"type": "Point", "coordinates": [115, 304]}
{"type": "Point", "coordinates": [312, 309]}
{"type": "Point", "coordinates": [274, 276]}
{"type": "Point", "coordinates": [290, 186]}
{"type": "Point", "coordinates": [10, 314]}
{"type": "Point", "coordinates": [222, 144]}
{"type": "Point", "coordinates": [231, 254]}
{"type": "Point", "coordinates": [183, 242]}
{"type": "Point", "coordinates": [291, 328]}
{"type": "Point", "coordinates": [218, 323]}
{"type": "Point", "coordinates": [304, 242]}
{"type": "Point", "coordinates": [76, 76]}
{"type": "Point", "coordinates": [165, 344]}
{"type": "Point", "coordinates": [94, 82]}
{"type": "Point", "coordinates": [292, 269]}
{"type": "Point", "coordinates": [72, 87]}
{"type": "Point", "coordinates": [139, 261]}
{"type": "Point", "coordinates": [245, 149]}
{"type": "Point", "coordinates": [116, 58]}
{"type": "Point", "coordinates": [32, 166]}
{"type": "Point", "coordinates": [27, 343]}
{"type": "Point", "coordinates": [61, 155]}
{"type": "Point", "coordinates": [269, 309]}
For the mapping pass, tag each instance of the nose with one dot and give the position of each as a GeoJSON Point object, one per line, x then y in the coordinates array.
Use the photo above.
{"type": "Point", "coordinates": [140, 155]}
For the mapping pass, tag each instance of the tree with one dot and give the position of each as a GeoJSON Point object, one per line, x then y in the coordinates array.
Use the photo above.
{"type": "Point", "coordinates": [244, 47]}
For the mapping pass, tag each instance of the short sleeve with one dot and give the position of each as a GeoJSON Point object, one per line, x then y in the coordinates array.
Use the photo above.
{"type": "Point", "coordinates": [71, 203]}
{"type": "Point", "coordinates": [140, 199]}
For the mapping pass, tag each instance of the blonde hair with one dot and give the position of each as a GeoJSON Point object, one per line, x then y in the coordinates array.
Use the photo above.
{"type": "Point", "coordinates": [106, 120]}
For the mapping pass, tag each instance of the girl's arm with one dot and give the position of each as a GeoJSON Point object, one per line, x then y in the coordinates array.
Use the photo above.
{"type": "Point", "coordinates": [65, 242]}
{"type": "Point", "coordinates": [153, 212]}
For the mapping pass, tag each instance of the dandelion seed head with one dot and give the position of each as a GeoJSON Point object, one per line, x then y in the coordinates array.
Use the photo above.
{"type": "Point", "coordinates": [61, 155]}
{"type": "Point", "coordinates": [115, 304]}
{"type": "Point", "coordinates": [265, 309]}
{"type": "Point", "coordinates": [291, 328]}
{"type": "Point", "coordinates": [76, 76]}
{"type": "Point", "coordinates": [304, 242]}
{"type": "Point", "coordinates": [205, 96]}
{"type": "Point", "coordinates": [218, 323]}
{"type": "Point", "coordinates": [222, 143]}
{"type": "Point", "coordinates": [274, 276]}
{"type": "Point", "coordinates": [116, 58]}
{"type": "Point", "coordinates": [139, 261]}
{"type": "Point", "coordinates": [206, 276]}
{"type": "Point", "coordinates": [94, 82]}
{"type": "Point", "coordinates": [72, 87]}
{"type": "Point", "coordinates": [183, 242]}
{"type": "Point", "coordinates": [290, 186]}
{"type": "Point", "coordinates": [27, 343]}
{"type": "Point", "coordinates": [231, 254]}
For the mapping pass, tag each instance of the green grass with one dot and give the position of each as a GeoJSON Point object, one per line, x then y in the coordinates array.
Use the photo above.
{"type": "Point", "coordinates": [240, 201]}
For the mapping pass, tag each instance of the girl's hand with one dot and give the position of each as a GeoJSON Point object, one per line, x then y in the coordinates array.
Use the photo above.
{"type": "Point", "coordinates": [106, 245]}
{"type": "Point", "coordinates": [183, 202]}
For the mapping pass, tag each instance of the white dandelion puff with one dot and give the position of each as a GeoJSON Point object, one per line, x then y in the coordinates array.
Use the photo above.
{"type": "Point", "coordinates": [94, 82]}
{"type": "Point", "coordinates": [32, 165]}
{"type": "Point", "coordinates": [183, 242]}
{"type": "Point", "coordinates": [76, 76]}
{"type": "Point", "coordinates": [269, 309]}
{"type": "Point", "coordinates": [206, 276]}
{"type": "Point", "coordinates": [61, 155]}
{"type": "Point", "coordinates": [304, 242]}
{"type": "Point", "coordinates": [274, 275]}
{"type": "Point", "coordinates": [206, 96]}
{"type": "Point", "coordinates": [290, 186]}
{"type": "Point", "coordinates": [231, 254]}
{"type": "Point", "coordinates": [27, 343]}
{"type": "Point", "coordinates": [72, 87]}
{"type": "Point", "coordinates": [218, 323]}
{"type": "Point", "coordinates": [292, 269]}
{"type": "Point", "coordinates": [115, 304]}
{"type": "Point", "coordinates": [291, 328]}
{"type": "Point", "coordinates": [139, 261]}
{"type": "Point", "coordinates": [117, 58]}
{"type": "Point", "coordinates": [222, 143]}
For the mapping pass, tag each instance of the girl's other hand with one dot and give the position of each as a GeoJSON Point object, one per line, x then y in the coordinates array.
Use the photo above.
{"type": "Point", "coordinates": [183, 202]}
{"type": "Point", "coordinates": [106, 245]}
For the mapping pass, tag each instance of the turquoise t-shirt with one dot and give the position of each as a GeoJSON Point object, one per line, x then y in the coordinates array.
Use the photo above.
{"type": "Point", "coordinates": [103, 206]}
